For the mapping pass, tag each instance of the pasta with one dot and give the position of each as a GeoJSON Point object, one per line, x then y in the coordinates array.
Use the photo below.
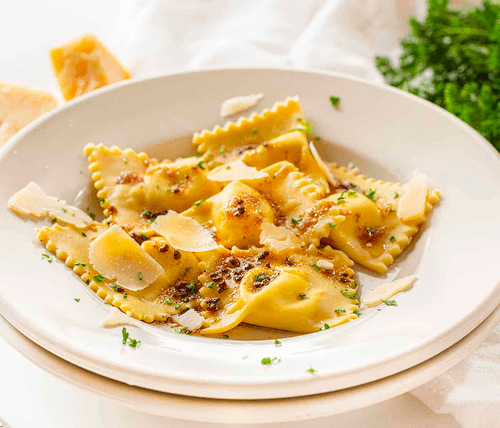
{"type": "Point", "coordinates": [257, 229]}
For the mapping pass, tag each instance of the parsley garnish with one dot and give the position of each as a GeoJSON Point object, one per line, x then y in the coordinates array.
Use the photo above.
{"type": "Point", "coordinates": [334, 100]}
{"type": "Point", "coordinates": [102, 201]}
{"type": "Point", "coordinates": [353, 296]}
{"type": "Point", "coordinates": [331, 224]}
{"type": "Point", "coordinates": [54, 220]}
{"type": "Point", "coordinates": [139, 274]}
{"type": "Point", "coordinates": [254, 131]}
{"type": "Point", "coordinates": [225, 336]}
{"type": "Point", "coordinates": [317, 138]}
{"type": "Point", "coordinates": [125, 159]}
{"type": "Point", "coordinates": [222, 149]}
{"type": "Point", "coordinates": [211, 285]}
{"type": "Point", "coordinates": [267, 361]}
{"type": "Point", "coordinates": [340, 311]}
{"type": "Point", "coordinates": [351, 193]}
{"type": "Point", "coordinates": [228, 167]}
{"type": "Point", "coordinates": [327, 326]}
{"type": "Point", "coordinates": [180, 329]}
{"type": "Point", "coordinates": [64, 210]}
{"type": "Point", "coordinates": [371, 195]}
{"type": "Point", "coordinates": [84, 234]}
{"type": "Point", "coordinates": [303, 296]}
{"type": "Point", "coordinates": [80, 264]}
{"type": "Point", "coordinates": [126, 338]}
{"type": "Point", "coordinates": [144, 236]}
{"type": "Point", "coordinates": [92, 216]}
{"type": "Point", "coordinates": [197, 203]}
{"type": "Point", "coordinates": [355, 311]}
{"type": "Point", "coordinates": [396, 195]}
{"type": "Point", "coordinates": [315, 266]}
{"type": "Point", "coordinates": [47, 257]}
{"type": "Point", "coordinates": [177, 307]}
{"type": "Point", "coordinates": [306, 130]}
{"type": "Point", "coordinates": [260, 277]}
{"type": "Point", "coordinates": [125, 295]}
{"type": "Point", "coordinates": [98, 278]}
{"type": "Point", "coordinates": [390, 302]}
{"type": "Point", "coordinates": [77, 300]}
{"type": "Point", "coordinates": [186, 271]}
{"type": "Point", "coordinates": [296, 220]}
{"type": "Point", "coordinates": [311, 370]}
{"type": "Point", "coordinates": [191, 286]}
{"type": "Point", "coordinates": [200, 164]}
{"type": "Point", "coordinates": [392, 239]}
{"type": "Point", "coordinates": [277, 342]}
{"type": "Point", "coordinates": [169, 302]}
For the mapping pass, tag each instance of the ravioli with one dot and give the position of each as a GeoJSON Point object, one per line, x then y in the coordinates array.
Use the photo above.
{"type": "Point", "coordinates": [290, 293]}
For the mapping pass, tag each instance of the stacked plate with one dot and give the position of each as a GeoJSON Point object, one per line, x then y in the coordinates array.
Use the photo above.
{"type": "Point", "coordinates": [385, 132]}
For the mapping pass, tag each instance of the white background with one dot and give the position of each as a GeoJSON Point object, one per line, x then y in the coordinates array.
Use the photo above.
{"type": "Point", "coordinates": [30, 397]}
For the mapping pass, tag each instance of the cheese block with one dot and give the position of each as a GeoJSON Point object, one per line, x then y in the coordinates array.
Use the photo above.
{"type": "Point", "coordinates": [85, 64]}
{"type": "Point", "coordinates": [20, 106]}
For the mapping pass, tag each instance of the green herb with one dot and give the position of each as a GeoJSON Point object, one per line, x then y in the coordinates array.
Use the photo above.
{"type": "Point", "coordinates": [197, 203]}
{"type": "Point", "coordinates": [260, 277]}
{"type": "Point", "coordinates": [92, 216]}
{"type": "Point", "coordinates": [126, 338]}
{"type": "Point", "coordinates": [80, 264]}
{"type": "Point", "coordinates": [353, 296]}
{"type": "Point", "coordinates": [340, 311]}
{"type": "Point", "coordinates": [303, 296]}
{"type": "Point", "coordinates": [169, 190]}
{"type": "Point", "coordinates": [102, 201]}
{"type": "Point", "coordinates": [124, 335]}
{"type": "Point", "coordinates": [392, 239]}
{"type": "Point", "coordinates": [200, 164]}
{"type": "Point", "coordinates": [274, 360]}
{"type": "Point", "coordinates": [222, 149]}
{"type": "Point", "coordinates": [125, 160]}
{"type": "Point", "coordinates": [186, 271]}
{"type": "Point", "coordinates": [311, 370]}
{"type": "Point", "coordinates": [144, 236]}
{"type": "Point", "coordinates": [47, 257]}
{"type": "Point", "coordinates": [77, 300]}
{"type": "Point", "coordinates": [351, 193]}
{"type": "Point", "coordinates": [396, 195]}
{"type": "Point", "coordinates": [125, 295]}
{"type": "Point", "coordinates": [452, 58]}
{"type": "Point", "coordinates": [168, 301]}
{"type": "Point", "coordinates": [72, 214]}
{"type": "Point", "coordinates": [228, 167]}
{"type": "Point", "coordinates": [390, 302]}
{"type": "Point", "coordinates": [317, 138]}
{"type": "Point", "coordinates": [355, 311]}
{"type": "Point", "coordinates": [254, 131]}
{"type": "Point", "coordinates": [191, 286]}
{"type": "Point", "coordinates": [371, 195]}
{"type": "Point", "coordinates": [139, 274]}
{"type": "Point", "coordinates": [315, 266]}
{"type": "Point", "coordinates": [98, 278]}
{"type": "Point", "coordinates": [334, 100]}
{"type": "Point", "coordinates": [180, 329]}
{"type": "Point", "coordinates": [84, 234]}
{"type": "Point", "coordinates": [327, 326]}
{"type": "Point", "coordinates": [331, 224]}
{"type": "Point", "coordinates": [189, 332]}
{"type": "Point", "coordinates": [133, 343]}
{"type": "Point", "coordinates": [177, 307]}
{"type": "Point", "coordinates": [54, 220]}
{"type": "Point", "coordinates": [299, 119]}
{"type": "Point", "coordinates": [296, 220]}
{"type": "Point", "coordinates": [306, 130]}
{"type": "Point", "coordinates": [151, 221]}
{"type": "Point", "coordinates": [211, 285]}
{"type": "Point", "coordinates": [225, 336]}
{"type": "Point", "coordinates": [277, 342]}
{"type": "Point", "coordinates": [64, 210]}
{"type": "Point", "coordinates": [114, 286]}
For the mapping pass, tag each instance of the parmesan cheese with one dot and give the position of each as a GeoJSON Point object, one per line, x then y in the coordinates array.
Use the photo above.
{"type": "Point", "coordinates": [325, 264]}
{"type": "Point", "coordinates": [32, 200]}
{"type": "Point", "coordinates": [278, 239]}
{"type": "Point", "coordinates": [386, 291]}
{"type": "Point", "coordinates": [412, 203]}
{"type": "Point", "coordinates": [237, 170]}
{"type": "Point", "coordinates": [116, 318]}
{"type": "Point", "coordinates": [329, 175]}
{"type": "Point", "coordinates": [190, 319]}
{"type": "Point", "coordinates": [184, 233]}
{"type": "Point", "coordinates": [238, 104]}
{"type": "Point", "coordinates": [115, 255]}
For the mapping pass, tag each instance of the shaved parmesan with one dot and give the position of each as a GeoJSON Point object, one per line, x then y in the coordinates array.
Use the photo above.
{"type": "Point", "coordinates": [329, 175]}
{"type": "Point", "coordinates": [325, 264]}
{"type": "Point", "coordinates": [190, 319]}
{"type": "Point", "coordinates": [115, 255]}
{"type": "Point", "coordinates": [386, 291]}
{"type": "Point", "coordinates": [184, 233]}
{"type": "Point", "coordinates": [235, 171]}
{"type": "Point", "coordinates": [412, 203]}
{"type": "Point", "coordinates": [278, 239]}
{"type": "Point", "coordinates": [238, 104]}
{"type": "Point", "coordinates": [116, 318]}
{"type": "Point", "coordinates": [32, 200]}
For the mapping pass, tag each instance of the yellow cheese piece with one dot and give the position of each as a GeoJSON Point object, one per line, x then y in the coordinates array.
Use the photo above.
{"type": "Point", "coordinates": [279, 239]}
{"type": "Point", "coordinates": [238, 104]}
{"type": "Point", "coordinates": [20, 106]}
{"type": "Point", "coordinates": [184, 233]}
{"type": "Point", "coordinates": [115, 255]}
{"type": "Point", "coordinates": [414, 198]}
{"type": "Point", "coordinates": [85, 64]}
{"type": "Point", "coordinates": [386, 291]}
{"type": "Point", "coordinates": [117, 318]}
{"type": "Point", "coordinates": [235, 171]}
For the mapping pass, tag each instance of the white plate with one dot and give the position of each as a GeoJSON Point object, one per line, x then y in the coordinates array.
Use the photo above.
{"type": "Point", "coordinates": [387, 133]}
{"type": "Point", "coordinates": [250, 411]}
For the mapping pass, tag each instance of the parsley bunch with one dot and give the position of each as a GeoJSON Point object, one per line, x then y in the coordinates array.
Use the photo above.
{"type": "Point", "coordinates": [453, 59]}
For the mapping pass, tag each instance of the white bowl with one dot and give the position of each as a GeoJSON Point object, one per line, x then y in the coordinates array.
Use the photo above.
{"type": "Point", "coordinates": [385, 132]}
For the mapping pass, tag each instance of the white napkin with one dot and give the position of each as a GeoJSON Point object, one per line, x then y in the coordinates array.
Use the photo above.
{"type": "Point", "coordinates": [161, 36]}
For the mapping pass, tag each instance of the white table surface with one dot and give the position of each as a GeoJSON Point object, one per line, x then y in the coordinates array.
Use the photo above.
{"type": "Point", "coordinates": [30, 397]}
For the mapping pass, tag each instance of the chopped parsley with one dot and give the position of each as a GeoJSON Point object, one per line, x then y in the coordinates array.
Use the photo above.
{"type": "Point", "coordinates": [340, 311]}
{"type": "Point", "coordinates": [77, 300]}
{"type": "Point", "coordinates": [315, 266]}
{"type": "Point", "coordinates": [225, 336]}
{"type": "Point", "coordinates": [341, 198]}
{"type": "Point", "coordinates": [200, 164]}
{"type": "Point", "coordinates": [125, 160]}
{"type": "Point", "coordinates": [186, 271]}
{"type": "Point", "coordinates": [296, 220]}
{"type": "Point", "coordinates": [260, 277]}
{"type": "Point", "coordinates": [197, 203]}
{"type": "Point", "coordinates": [392, 239]}
{"type": "Point", "coordinates": [126, 339]}
{"type": "Point", "coordinates": [168, 301]}
{"type": "Point", "coordinates": [277, 342]}
{"type": "Point", "coordinates": [54, 220]}
{"type": "Point", "coordinates": [180, 329]}
{"type": "Point", "coordinates": [303, 296]}
{"type": "Point", "coordinates": [327, 326]}
{"type": "Point", "coordinates": [371, 195]}
{"type": "Point", "coordinates": [102, 201]}
{"type": "Point", "coordinates": [331, 224]}
{"type": "Point", "coordinates": [125, 295]}
{"type": "Point", "coordinates": [139, 274]}
{"type": "Point", "coordinates": [254, 131]}
{"type": "Point", "coordinates": [92, 216]}
{"type": "Point", "coordinates": [306, 130]}
{"type": "Point", "coordinates": [355, 311]}
{"type": "Point", "coordinates": [222, 149]}
{"type": "Point", "coordinates": [84, 234]}
{"type": "Point", "coordinates": [228, 167]}
{"type": "Point", "coordinates": [64, 210]}
{"type": "Point", "coordinates": [317, 138]}
{"type": "Point", "coordinates": [211, 285]}
{"type": "Point", "coordinates": [396, 195]}
{"type": "Point", "coordinates": [390, 302]}
{"type": "Point", "coordinates": [144, 236]}
{"type": "Point", "coordinates": [351, 193]}
{"type": "Point", "coordinates": [353, 296]}
{"type": "Point", "coordinates": [334, 100]}
{"type": "Point", "coordinates": [47, 257]}
{"type": "Point", "coordinates": [80, 264]}
{"type": "Point", "coordinates": [191, 286]}
{"type": "Point", "coordinates": [169, 190]}
{"type": "Point", "coordinates": [267, 361]}
{"type": "Point", "coordinates": [98, 278]}
{"type": "Point", "coordinates": [311, 370]}
{"type": "Point", "coordinates": [177, 307]}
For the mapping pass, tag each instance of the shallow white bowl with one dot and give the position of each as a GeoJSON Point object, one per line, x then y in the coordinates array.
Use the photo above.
{"type": "Point", "coordinates": [385, 132]}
